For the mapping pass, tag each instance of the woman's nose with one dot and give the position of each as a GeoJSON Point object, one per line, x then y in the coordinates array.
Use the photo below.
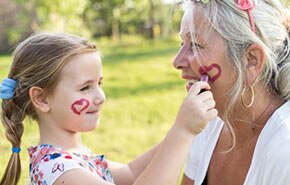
{"type": "Point", "coordinates": [180, 61]}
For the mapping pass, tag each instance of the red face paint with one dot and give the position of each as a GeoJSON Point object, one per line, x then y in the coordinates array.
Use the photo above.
{"type": "Point", "coordinates": [80, 105]}
{"type": "Point", "coordinates": [213, 69]}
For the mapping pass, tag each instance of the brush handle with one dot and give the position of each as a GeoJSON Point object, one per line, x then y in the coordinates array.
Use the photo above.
{"type": "Point", "coordinates": [205, 79]}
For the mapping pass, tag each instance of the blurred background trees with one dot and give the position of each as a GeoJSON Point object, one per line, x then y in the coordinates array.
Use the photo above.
{"type": "Point", "coordinates": [153, 19]}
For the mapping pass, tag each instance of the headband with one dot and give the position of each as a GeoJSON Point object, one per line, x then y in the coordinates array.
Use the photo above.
{"type": "Point", "coordinates": [245, 5]}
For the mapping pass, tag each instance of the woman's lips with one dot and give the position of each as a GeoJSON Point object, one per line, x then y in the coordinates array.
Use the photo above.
{"type": "Point", "coordinates": [190, 82]}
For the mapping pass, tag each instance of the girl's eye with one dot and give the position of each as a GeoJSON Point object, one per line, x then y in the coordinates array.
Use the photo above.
{"type": "Point", "coordinates": [182, 43]}
{"type": "Point", "coordinates": [85, 88]}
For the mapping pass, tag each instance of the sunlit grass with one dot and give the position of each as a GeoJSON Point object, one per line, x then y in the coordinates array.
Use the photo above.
{"type": "Point", "coordinates": [143, 94]}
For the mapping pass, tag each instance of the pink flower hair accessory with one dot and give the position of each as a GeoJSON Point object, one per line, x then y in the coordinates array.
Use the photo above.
{"type": "Point", "coordinates": [248, 5]}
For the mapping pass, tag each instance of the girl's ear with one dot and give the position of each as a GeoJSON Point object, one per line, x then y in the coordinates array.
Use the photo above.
{"type": "Point", "coordinates": [254, 60]}
{"type": "Point", "coordinates": [38, 99]}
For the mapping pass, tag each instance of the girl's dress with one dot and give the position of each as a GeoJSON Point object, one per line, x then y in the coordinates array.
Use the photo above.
{"type": "Point", "coordinates": [48, 162]}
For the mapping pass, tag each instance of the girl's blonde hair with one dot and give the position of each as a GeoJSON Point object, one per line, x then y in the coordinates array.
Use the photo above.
{"type": "Point", "coordinates": [37, 61]}
{"type": "Point", "coordinates": [271, 18]}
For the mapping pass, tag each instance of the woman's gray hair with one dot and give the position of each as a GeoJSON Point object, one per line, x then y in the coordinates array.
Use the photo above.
{"type": "Point", "coordinates": [271, 18]}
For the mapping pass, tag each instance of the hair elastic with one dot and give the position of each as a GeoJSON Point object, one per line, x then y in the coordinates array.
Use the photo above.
{"type": "Point", "coordinates": [7, 88]}
{"type": "Point", "coordinates": [16, 149]}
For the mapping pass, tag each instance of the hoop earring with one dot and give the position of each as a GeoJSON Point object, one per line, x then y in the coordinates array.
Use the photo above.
{"type": "Point", "coordinates": [252, 97]}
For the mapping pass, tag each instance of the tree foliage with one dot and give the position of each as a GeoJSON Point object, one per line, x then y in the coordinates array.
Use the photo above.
{"type": "Point", "coordinates": [151, 18]}
{"type": "Point", "coordinates": [19, 18]}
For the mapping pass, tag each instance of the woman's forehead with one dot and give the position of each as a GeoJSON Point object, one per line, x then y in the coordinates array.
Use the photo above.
{"type": "Point", "coordinates": [194, 24]}
{"type": "Point", "coordinates": [192, 20]}
{"type": "Point", "coordinates": [186, 21]}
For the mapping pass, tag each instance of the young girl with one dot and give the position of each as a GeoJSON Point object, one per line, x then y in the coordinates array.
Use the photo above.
{"type": "Point", "coordinates": [56, 80]}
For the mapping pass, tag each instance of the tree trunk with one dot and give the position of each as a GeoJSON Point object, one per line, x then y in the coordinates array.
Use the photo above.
{"type": "Point", "coordinates": [152, 19]}
{"type": "Point", "coordinates": [115, 30]}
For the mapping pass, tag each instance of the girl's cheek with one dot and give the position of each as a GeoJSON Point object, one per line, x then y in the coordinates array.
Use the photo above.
{"type": "Point", "coordinates": [80, 106]}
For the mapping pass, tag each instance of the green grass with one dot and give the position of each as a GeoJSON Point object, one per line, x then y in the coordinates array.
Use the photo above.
{"type": "Point", "coordinates": [143, 93]}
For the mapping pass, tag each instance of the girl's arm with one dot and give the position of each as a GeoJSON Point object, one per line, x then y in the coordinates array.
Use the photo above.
{"type": "Point", "coordinates": [167, 159]}
{"type": "Point", "coordinates": [124, 174]}
{"type": "Point", "coordinates": [163, 163]}
{"type": "Point", "coordinates": [167, 163]}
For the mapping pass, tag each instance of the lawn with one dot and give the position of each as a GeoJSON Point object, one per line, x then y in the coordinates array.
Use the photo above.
{"type": "Point", "coordinates": [143, 93]}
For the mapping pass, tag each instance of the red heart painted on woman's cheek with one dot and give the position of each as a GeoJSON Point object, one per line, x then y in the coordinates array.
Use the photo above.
{"type": "Point", "coordinates": [78, 106]}
{"type": "Point", "coordinates": [205, 70]}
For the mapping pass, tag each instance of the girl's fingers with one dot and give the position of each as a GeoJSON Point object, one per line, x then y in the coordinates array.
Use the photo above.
{"type": "Point", "coordinates": [197, 87]}
{"type": "Point", "coordinates": [207, 95]}
{"type": "Point", "coordinates": [211, 114]}
{"type": "Point", "coordinates": [209, 104]}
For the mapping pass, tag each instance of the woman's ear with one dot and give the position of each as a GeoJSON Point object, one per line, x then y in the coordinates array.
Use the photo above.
{"type": "Point", "coordinates": [254, 59]}
{"type": "Point", "coordinates": [38, 99]}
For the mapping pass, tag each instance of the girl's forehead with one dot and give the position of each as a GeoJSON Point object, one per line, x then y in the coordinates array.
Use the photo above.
{"type": "Point", "coordinates": [82, 62]}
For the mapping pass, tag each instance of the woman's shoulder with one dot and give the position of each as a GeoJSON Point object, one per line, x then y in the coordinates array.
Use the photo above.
{"type": "Point", "coordinates": [282, 113]}
{"type": "Point", "coordinates": [212, 129]}
{"type": "Point", "coordinates": [207, 137]}
{"type": "Point", "coordinates": [277, 129]}
{"type": "Point", "coordinates": [274, 140]}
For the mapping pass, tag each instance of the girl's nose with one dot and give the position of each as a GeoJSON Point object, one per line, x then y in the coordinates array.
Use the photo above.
{"type": "Point", "coordinates": [180, 61]}
{"type": "Point", "coordinates": [100, 97]}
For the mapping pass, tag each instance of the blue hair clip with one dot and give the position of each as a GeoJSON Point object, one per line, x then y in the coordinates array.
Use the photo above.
{"type": "Point", "coordinates": [16, 149]}
{"type": "Point", "coordinates": [7, 88]}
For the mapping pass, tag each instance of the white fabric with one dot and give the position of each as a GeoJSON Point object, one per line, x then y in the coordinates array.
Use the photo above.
{"type": "Point", "coordinates": [51, 171]}
{"type": "Point", "coordinates": [271, 159]}
{"type": "Point", "coordinates": [48, 163]}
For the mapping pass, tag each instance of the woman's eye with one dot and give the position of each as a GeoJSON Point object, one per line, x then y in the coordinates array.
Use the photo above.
{"type": "Point", "coordinates": [182, 43]}
{"type": "Point", "coordinates": [196, 45]}
{"type": "Point", "coordinates": [85, 88]}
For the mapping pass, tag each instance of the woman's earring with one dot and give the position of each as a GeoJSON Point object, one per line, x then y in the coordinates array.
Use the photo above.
{"type": "Point", "coordinates": [252, 97]}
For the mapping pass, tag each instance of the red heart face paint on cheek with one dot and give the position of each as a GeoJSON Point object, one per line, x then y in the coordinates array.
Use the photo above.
{"type": "Point", "coordinates": [213, 71]}
{"type": "Point", "coordinates": [80, 105]}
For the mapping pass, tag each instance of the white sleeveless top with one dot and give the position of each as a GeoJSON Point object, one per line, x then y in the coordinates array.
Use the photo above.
{"type": "Point", "coordinates": [271, 159]}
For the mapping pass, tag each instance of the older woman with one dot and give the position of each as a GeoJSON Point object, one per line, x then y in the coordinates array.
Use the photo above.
{"type": "Point", "coordinates": [243, 47]}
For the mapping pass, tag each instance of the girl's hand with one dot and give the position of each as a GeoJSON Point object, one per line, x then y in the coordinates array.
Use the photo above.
{"type": "Point", "coordinates": [197, 109]}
